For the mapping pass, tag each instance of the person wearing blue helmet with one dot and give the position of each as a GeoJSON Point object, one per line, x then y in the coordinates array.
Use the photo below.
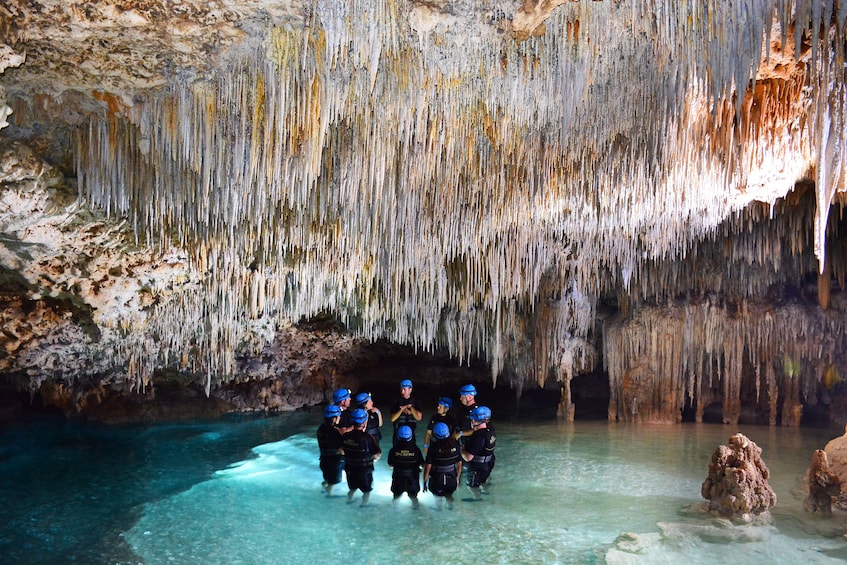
{"type": "Point", "coordinates": [442, 414]}
{"type": "Point", "coordinates": [405, 458]}
{"type": "Point", "coordinates": [467, 399]}
{"type": "Point", "coordinates": [405, 411]}
{"type": "Point", "coordinates": [442, 465]}
{"type": "Point", "coordinates": [361, 451]}
{"type": "Point", "coordinates": [341, 398]}
{"type": "Point", "coordinates": [364, 400]}
{"type": "Point", "coordinates": [329, 444]}
{"type": "Point", "coordinates": [478, 451]}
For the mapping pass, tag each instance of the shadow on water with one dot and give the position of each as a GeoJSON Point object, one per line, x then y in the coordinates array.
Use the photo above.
{"type": "Point", "coordinates": [70, 489]}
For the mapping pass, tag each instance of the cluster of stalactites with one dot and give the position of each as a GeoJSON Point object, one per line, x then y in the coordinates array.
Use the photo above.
{"type": "Point", "coordinates": [420, 180]}
{"type": "Point", "coordinates": [828, 109]}
{"type": "Point", "coordinates": [763, 248]}
{"type": "Point", "coordinates": [664, 359]}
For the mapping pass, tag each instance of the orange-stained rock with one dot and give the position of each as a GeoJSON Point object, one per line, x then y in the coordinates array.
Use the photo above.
{"type": "Point", "coordinates": [836, 454]}
{"type": "Point", "coordinates": [824, 485]}
{"type": "Point", "coordinates": [737, 484]}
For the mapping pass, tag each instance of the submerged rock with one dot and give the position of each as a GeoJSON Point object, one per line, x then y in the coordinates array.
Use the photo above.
{"type": "Point", "coordinates": [737, 484]}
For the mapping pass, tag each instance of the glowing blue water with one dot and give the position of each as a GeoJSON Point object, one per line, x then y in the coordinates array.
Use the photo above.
{"type": "Point", "coordinates": [247, 490]}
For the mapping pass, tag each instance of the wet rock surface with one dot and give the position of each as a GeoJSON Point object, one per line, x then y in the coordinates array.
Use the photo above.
{"type": "Point", "coordinates": [836, 453]}
{"type": "Point", "coordinates": [824, 485]}
{"type": "Point", "coordinates": [737, 483]}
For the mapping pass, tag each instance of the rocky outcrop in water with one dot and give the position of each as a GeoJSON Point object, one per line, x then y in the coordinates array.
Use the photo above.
{"type": "Point", "coordinates": [824, 485]}
{"type": "Point", "coordinates": [737, 484]}
{"type": "Point", "coordinates": [836, 453]}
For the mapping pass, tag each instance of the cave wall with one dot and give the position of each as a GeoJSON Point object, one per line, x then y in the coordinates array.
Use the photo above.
{"type": "Point", "coordinates": [648, 191]}
{"type": "Point", "coordinates": [762, 362]}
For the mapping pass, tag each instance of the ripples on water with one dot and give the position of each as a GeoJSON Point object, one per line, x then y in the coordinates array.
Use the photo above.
{"type": "Point", "coordinates": [247, 490]}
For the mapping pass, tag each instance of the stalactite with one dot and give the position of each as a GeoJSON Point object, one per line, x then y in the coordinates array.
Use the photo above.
{"type": "Point", "coordinates": [794, 359]}
{"type": "Point", "coordinates": [424, 197]}
{"type": "Point", "coordinates": [824, 281]}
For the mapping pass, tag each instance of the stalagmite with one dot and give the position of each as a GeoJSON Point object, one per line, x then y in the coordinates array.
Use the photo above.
{"type": "Point", "coordinates": [824, 485]}
{"type": "Point", "coordinates": [737, 483]}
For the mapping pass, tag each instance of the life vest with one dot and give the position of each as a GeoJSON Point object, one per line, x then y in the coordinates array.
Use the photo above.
{"type": "Point", "coordinates": [487, 454]}
{"type": "Point", "coordinates": [443, 455]}
{"type": "Point", "coordinates": [329, 440]}
{"type": "Point", "coordinates": [358, 449]}
{"type": "Point", "coordinates": [373, 425]}
{"type": "Point", "coordinates": [405, 458]}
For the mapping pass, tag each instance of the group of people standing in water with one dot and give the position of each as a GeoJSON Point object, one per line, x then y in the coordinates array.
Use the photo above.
{"type": "Point", "coordinates": [458, 439]}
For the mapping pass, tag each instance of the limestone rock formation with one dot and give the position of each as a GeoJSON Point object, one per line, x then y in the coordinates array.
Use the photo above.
{"type": "Point", "coordinates": [824, 485]}
{"type": "Point", "coordinates": [836, 454]}
{"type": "Point", "coordinates": [646, 187]}
{"type": "Point", "coordinates": [737, 484]}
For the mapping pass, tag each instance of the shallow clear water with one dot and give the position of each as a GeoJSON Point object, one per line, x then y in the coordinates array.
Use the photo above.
{"type": "Point", "coordinates": [247, 490]}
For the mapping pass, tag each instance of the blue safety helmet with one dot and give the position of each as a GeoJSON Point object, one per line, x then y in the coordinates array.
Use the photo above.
{"type": "Point", "coordinates": [405, 383]}
{"type": "Point", "coordinates": [467, 390]}
{"type": "Point", "coordinates": [481, 414]}
{"type": "Point", "coordinates": [332, 411]}
{"type": "Point", "coordinates": [358, 416]}
{"type": "Point", "coordinates": [444, 401]}
{"type": "Point", "coordinates": [362, 398]}
{"type": "Point", "coordinates": [340, 394]}
{"type": "Point", "coordinates": [440, 430]}
{"type": "Point", "coordinates": [404, 433]}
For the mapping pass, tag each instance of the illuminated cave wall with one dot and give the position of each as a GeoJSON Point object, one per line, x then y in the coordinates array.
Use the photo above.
{"type": "Point", "coordinates": [440, 177]}
{"type": "Point", "coordinates": [744, 320]}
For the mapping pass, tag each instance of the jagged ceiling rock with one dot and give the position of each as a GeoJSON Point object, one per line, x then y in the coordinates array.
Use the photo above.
{"type": "Point", "coordinates": [441, 174]}
{"type": "Point", "coordinates": [125, 46]}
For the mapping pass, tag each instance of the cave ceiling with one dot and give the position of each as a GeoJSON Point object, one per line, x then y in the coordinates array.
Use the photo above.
{"type": "Point", "coordinates": [443, 174]}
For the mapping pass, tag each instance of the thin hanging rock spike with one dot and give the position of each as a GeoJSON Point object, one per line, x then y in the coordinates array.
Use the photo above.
{"type": "Point", "coordinates": [429, 195]}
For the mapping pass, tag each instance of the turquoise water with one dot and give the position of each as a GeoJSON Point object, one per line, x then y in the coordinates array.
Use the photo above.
{"type": "Point", "coordinates": [247, 490]}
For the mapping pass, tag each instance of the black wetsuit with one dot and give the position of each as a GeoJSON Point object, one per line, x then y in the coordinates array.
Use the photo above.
{"type": "Point", "coordinates": [345, 422]}
{"type": "Point", "coordinates": [405, 458]}
{"type": "Point", "coordinates": [438, 418]}
{"type": "Point", "coordinates": [442, 457]}
{"type": "Point", "coordinates": [373, 426]}
{"type": "Point", "coordinates": [360, 448]}
{"type": "Point", "coordinates": [404, 419]}
{"type": "Point", "coordinates": [463, 422]}
{"type": "Point", "coordinates": [332, 457]}
{"type": "Point", "coordinates": [481, 446]}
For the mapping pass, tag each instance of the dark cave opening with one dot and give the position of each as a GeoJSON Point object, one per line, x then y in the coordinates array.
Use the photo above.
{"type": "Point", "coordinates": [590, 395]}
{"type": "Point", "coordinates": [713, 413]}
{"type": "Point", "coordinates": [436, 375]}
{"type": "Point", "coordinates": [20, 405]}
